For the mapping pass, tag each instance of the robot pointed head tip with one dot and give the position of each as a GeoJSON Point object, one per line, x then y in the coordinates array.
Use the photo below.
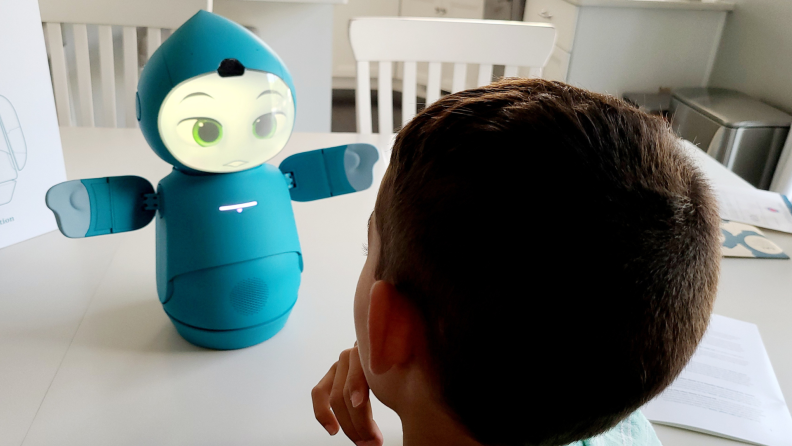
{"type": "Point", "coordinates": [230, 67]}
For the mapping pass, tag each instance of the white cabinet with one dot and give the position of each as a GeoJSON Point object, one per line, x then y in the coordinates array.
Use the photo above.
{"type": "Point", "coordinates": [422, 8]}
{"type": "Point", "coordinates": [466, 9]}
{"type": "Point", "coordinates": [615, 46]}
{"type": "Point", "coordinates": [344, 65]}
{"type": "Point", "coordinates": [458, 9]}
{"type": "Point", "coordinates": [560, 14]}
{"type": "Point", "coordinates": [558, 65]}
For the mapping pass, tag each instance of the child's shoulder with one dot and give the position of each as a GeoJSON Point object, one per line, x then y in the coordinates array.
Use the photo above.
{"type": "Point", "coordinates": [634, 430]}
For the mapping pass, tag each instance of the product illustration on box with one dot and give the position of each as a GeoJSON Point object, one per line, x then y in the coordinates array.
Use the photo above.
{"type": "Point", "coordinates": [216, 102]}
{"type": "Point", "coordinates": [13, 150]}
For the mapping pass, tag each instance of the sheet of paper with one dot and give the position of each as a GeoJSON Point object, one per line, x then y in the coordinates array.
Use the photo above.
{"type": "Point", "coordinates": [728, 389]}
{"type": "Point", "coordinates": [31, 160]}
{"type": "Point", "coordinates": [756, 207]}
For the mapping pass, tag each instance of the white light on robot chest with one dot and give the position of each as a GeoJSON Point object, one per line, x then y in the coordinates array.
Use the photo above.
{"type": "Point", "coordinates": [238, 207]}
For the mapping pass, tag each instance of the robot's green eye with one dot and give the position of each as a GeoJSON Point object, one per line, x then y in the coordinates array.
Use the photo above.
{"type": "Point", "coordinates": [207, 132]}
{"type": "Point", "coordinates": [265, 126]}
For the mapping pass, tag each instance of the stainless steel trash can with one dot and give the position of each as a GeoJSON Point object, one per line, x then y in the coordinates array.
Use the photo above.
{"type": "Point", "coordinates": [742, 133]}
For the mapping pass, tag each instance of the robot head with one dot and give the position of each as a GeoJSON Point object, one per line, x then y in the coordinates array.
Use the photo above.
{"type": "Point", "coordinates": [215, 98]}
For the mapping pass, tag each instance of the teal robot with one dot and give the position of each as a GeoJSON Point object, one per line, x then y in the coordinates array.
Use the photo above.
{"type": "Point", "coordinates": [216, 102]}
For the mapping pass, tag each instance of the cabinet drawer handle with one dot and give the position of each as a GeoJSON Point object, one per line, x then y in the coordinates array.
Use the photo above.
{"type": "Point", "coordinates": [545, 15]}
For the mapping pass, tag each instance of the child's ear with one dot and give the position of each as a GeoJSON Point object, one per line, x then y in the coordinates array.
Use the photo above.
{"type": "Point", "coordinates": [392, 328]}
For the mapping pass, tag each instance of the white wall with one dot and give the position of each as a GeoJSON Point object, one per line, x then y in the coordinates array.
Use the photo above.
{"type": "Point", "coordinates": [301, 35]}
{"type": "Point", "coordinates": [754, 56]}
{"type": "Point", "coordinates": [343, 59]}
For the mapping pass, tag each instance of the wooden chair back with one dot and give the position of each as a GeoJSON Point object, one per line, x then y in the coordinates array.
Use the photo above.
{"type": "Point", "coordinates": [386, 40]}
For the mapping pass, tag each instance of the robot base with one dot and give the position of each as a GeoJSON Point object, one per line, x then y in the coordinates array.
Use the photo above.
{"type": "Point", "coordinates": [231, 339]}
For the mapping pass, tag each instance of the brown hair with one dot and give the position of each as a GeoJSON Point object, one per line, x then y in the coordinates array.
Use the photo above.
{"type": "Point", "coordinates": [561, 248]}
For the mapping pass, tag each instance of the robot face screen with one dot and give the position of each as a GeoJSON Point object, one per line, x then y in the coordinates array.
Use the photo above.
{"type": "Point", "coordinates": [227, 124]}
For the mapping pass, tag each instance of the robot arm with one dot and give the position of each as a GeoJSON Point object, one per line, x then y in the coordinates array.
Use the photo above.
{"type": "Point", "coordinates": [329, 172]}
{"type": "Point", "coordinates": [97, 206]}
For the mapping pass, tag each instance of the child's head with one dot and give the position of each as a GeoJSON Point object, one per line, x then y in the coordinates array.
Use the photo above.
{"type": "Point", "coordinates": [556, 252]}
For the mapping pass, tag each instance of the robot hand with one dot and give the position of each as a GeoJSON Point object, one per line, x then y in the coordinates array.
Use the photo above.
{"type": "Point", "coordinates": [85, 208]}
{"type": "Point", "coordinates": [329, 172]}
{"type": "Point", "coordinates": [359, 160]}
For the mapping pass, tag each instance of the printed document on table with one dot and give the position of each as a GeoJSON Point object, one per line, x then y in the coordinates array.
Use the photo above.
{"type": "Point", "coordinates": [756, 207]}
{"type": "Point", "coordinates": [728, 389]}
{"type": "Point", "coordinates": [31, 160]}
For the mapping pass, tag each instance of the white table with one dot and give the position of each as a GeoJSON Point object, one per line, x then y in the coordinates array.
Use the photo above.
{"type": "Point", "coordinates": [752, 290]}
{"type": "Point", "coordinates": [88, 357]}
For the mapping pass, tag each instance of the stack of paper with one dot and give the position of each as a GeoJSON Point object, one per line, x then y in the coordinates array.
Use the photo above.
{"type": "Point", "coordinates": [728, 389]}
{"type": "Point", "coordinates": [756, 207]}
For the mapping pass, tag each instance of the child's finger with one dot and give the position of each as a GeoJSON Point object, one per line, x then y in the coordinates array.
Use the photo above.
{"type": "Point", "coordinates": [356, 393]}
{"type": "Point", "coordinates": [337, 399]}
{"type": "Point", "coordinates": [356, 386]}
{"type": "Point", "coordinates": [320, 395]}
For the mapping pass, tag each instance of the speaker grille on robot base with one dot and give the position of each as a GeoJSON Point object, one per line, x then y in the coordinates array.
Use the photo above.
{"type": "Point", "coordinates": [249, 296]}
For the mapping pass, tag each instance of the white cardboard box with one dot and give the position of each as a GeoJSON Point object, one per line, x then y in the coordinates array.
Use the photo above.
{"type": "Point", "coordinates": [31, 160]}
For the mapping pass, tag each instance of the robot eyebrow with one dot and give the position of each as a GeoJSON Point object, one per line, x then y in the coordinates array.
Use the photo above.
{"type": "Point", "coordinates": [268, 92]}
{"type": "Point", "coordinates": [196, 94]}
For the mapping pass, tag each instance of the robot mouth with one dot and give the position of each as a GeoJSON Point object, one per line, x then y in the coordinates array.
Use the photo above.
{"type": "Point", "coordinates": [236, 163]}
{"type": "Point", "coordinates": [239, 207]}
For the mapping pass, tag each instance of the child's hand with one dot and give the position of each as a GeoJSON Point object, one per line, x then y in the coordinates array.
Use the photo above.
{"type": "Point", "coordinates": [345, 390]}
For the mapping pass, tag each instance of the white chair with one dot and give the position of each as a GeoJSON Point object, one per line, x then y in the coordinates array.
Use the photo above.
{"type": "Point", "coordinates": [411, 40]}
{"type": "Point", "coordinates": [74, 98]}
